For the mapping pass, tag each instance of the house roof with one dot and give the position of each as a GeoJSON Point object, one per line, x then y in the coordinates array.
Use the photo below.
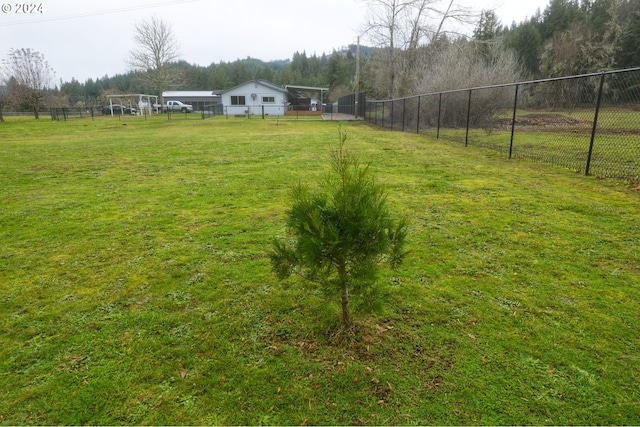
{"type": "Point", "coordinates": [265, 83]}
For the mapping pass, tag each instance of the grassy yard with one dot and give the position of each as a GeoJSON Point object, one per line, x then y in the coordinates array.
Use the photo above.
{"type": "Point", "coordinates": [135, 286]}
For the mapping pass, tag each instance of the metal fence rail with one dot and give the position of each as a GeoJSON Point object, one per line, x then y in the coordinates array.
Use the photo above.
{"type": "Point", "coordinates": [588, 123]}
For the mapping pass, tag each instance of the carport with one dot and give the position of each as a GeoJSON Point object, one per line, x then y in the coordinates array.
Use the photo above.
{"type": "Point", "coordinates": [296, 98]}
{"type": "Point", "coordinates": [144, 102]}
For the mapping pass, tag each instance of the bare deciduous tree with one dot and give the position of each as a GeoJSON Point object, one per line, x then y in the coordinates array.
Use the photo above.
{"type": "Point", "coordinates": [157, 48]}
{"type": "Point", "coordinates": [401, 28]}
{"type": "Point", "coordinates": [460, 65]}
{"type": "Point", "coordinates": [29, 77]}
{"type": "Point", "coordinates": [4, 95]}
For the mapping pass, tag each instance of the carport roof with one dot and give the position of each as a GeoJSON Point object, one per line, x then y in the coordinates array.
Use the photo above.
{"type": "Point", "coordinates": [191, 93]}
{"type": "Point", "coordinates": [319, 89]}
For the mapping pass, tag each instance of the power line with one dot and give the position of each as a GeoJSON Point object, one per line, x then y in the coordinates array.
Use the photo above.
{"type": "Point", "coordinates": [98, 13]}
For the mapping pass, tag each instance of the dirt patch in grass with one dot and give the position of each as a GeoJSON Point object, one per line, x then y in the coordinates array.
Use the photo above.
{"type": "Point", "coordinates": [540, 122]}
{"type": "Point", "coordinates": [552, 122]}
{"type": "Point", "coordinates": [545, 119]}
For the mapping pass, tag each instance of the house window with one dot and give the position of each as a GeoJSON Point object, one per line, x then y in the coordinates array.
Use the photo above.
{"type": "Point", "coordinates": [238, 100]}
{"type": "Point", "coordinates": [268, 99]}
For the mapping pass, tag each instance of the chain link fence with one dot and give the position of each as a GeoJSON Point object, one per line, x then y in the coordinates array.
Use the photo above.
{"type": "Point", "coordinates": [74, 113]}
{"type": "Point", "coordinates": [588, 123]}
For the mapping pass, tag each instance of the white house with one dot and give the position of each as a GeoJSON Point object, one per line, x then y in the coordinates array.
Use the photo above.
{"type": "Point", "coordinates": [255, 97]}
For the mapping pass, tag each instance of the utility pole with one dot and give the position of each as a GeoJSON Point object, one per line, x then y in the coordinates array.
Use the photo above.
{"type": "Point", "coordinates": [357, 76]}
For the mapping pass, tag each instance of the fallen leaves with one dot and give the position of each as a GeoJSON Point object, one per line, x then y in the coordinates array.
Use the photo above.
{"type": "Point", "coordinates": [382, 329]}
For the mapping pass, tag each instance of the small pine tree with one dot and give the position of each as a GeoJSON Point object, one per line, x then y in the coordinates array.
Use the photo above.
{"type": "Point", "coordinates": [340, 236]}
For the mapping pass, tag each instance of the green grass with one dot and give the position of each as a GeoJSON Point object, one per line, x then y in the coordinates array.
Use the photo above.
{"type": "Point", "coordinates": [135, 286]}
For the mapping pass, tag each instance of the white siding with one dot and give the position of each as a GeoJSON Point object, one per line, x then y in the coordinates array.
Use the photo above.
{"type": "Point", "coordinates": [256, 95]}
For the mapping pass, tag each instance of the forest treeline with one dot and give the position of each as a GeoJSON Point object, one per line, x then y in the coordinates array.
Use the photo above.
{"type": "Point", "coordinates": [568, 37]}
{"type": "Point", "coordinates": [573, 37]}
{"type": "Point", "coordinates": [335, 71]}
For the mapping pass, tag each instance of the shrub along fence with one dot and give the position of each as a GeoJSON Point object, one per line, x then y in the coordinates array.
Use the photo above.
{"type": "Point", "coordinates": [588, 123]}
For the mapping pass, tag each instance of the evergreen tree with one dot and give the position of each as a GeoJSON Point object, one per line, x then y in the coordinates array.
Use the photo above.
{"type": "Point", "coordinates": [558, 17]}
{"type": "Point", "coordinates": [526, 40]}
{"type": "Point", "coordinates": [486, 32]}
{"type": "Point", "coordinates": [341, 236]}
{"type": "Point", "coordinates": [629, 55]}
{"type": "Point", "coordinates": [74, 90]}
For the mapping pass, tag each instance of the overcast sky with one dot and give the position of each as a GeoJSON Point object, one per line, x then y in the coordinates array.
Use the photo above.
{"type": "Point", "coordinates": [90, 39]}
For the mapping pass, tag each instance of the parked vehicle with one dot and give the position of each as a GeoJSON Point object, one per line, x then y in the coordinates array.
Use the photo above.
{"type": "Point", "coordinates": [118, 109]}
{"type": "Point", "coordinates": [175, 106]}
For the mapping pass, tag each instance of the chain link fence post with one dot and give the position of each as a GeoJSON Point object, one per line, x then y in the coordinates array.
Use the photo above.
{"type": "Point", "coordinates": [595, 125]}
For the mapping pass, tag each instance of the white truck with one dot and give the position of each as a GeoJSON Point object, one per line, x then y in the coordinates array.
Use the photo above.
{"type": "Point", "coordinates": [177, 106]}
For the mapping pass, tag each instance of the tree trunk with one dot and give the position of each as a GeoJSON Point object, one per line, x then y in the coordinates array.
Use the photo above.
{"type": "Point", "coordinates": [346, 314]}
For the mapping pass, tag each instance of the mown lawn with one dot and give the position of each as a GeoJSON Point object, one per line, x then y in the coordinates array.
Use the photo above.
{"type": "Point", "coordinates": [135, 286]}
